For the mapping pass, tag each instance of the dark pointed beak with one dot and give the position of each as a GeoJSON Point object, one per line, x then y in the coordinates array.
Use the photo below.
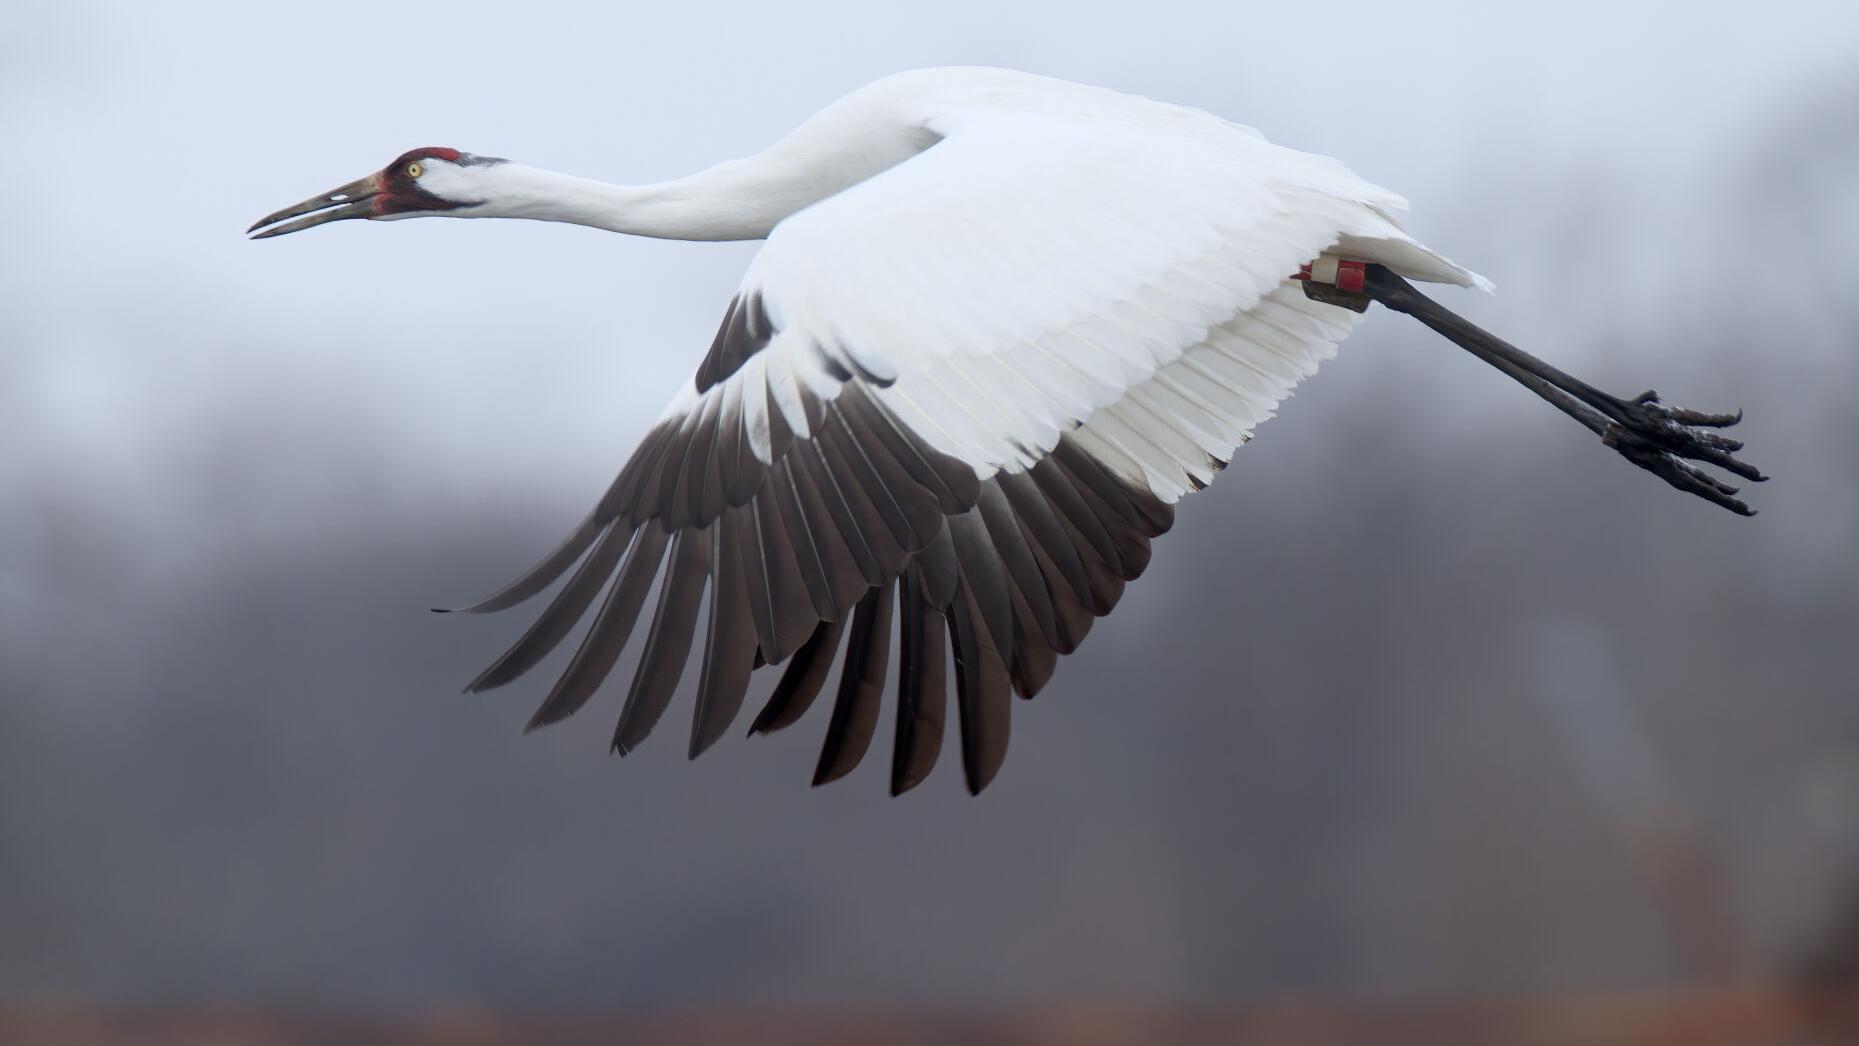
{"type": "Point", "coordinates": [350, 201]}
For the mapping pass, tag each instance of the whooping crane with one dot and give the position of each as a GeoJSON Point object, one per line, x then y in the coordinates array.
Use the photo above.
{"type": "Point", "coordinates": [1001, 324]}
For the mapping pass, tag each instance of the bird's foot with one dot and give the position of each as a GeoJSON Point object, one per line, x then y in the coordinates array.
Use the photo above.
{"type": "Point", "coordinates": [1660, 439]}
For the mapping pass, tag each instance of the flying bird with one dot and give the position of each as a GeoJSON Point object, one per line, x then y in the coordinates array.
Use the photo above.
{"type": "Point", "coordinates": [1000, 325]}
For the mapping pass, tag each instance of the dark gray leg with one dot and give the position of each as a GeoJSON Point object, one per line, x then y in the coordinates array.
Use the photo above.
{"type": "Point", "coordinates": [1645, 431]}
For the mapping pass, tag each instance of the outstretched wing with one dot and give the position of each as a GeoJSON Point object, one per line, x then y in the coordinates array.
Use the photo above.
{"type": "Point", "coordinates": [964, 394]}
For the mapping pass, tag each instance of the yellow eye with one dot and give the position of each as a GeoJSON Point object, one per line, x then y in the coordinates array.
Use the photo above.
{"type": "Point", "coordinates": [414, 169]}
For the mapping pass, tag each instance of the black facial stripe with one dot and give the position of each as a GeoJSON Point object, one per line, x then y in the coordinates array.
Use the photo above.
{"type": "Point", "coordinates": [404, 193]}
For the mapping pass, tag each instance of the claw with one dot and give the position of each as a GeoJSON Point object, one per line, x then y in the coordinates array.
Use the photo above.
{"type": "Point", "coordinates": [1722, 487]}
{"type": "Point", "coordinates": [1657, 438]}
{"type": "Point", "coordinates": [1685, 416]}
{"type": "Point", "coordinates": [1649, 403]}
{"type": "Point", "coordinates": [1659, 445]}
{"type": "Point", "coordinates": [1690, 478]}
{"type": "Point", "coordinates": [1730, 464]}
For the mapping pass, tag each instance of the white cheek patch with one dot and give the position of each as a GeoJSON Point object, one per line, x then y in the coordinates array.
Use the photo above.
{"type": "Point", "coordinates": [446, 180]}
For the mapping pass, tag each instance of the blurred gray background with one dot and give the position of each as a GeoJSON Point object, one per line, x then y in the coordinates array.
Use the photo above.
{"type": "Point", "coordinates": [1430, 696]}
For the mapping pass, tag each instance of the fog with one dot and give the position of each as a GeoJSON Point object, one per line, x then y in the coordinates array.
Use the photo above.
{"type": "Point", "coordinates": [1429, 696]}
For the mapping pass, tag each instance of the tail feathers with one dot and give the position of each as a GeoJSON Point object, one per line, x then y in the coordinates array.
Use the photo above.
{"type": "Point", "coordinates": [1410, 258]}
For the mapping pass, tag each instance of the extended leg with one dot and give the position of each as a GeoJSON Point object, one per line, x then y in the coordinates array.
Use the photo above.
{"type": "Point", "coordinates": [1645, 431]}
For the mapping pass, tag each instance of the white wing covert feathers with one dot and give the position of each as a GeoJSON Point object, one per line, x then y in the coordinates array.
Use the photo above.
{"type": "Point", "coordinates": [965, 392]}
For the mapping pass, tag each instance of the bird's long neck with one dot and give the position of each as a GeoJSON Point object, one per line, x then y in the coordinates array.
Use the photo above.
{"type": "Point", "coordinates": [840, 146]}
{"type": "Point", "coordinates": [738, 200]}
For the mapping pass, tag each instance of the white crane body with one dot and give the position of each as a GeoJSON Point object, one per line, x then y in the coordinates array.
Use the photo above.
{"type": "Point", "coordinates": [1000, 326]}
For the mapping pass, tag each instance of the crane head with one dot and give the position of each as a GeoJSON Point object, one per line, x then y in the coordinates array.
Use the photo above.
{"type": "Point", "coordinates": [426, 181]}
